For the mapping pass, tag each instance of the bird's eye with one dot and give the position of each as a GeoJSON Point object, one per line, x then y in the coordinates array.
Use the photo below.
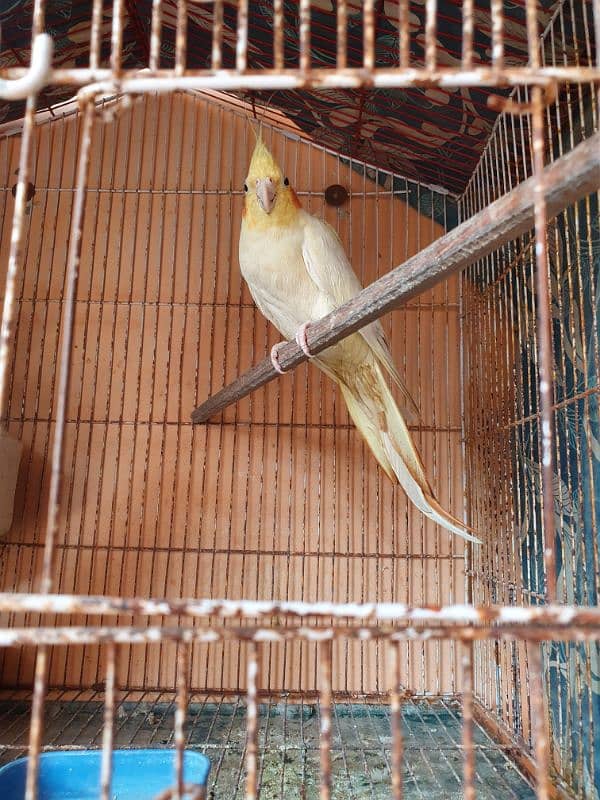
{"type": "Point", "coordinates": [286, 182]}
{"type": "Point", "coordinates": [245, 187]}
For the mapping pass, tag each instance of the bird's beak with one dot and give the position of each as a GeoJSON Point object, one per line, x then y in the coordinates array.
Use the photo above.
{"type": "Point", "coordinates": [265, 191]}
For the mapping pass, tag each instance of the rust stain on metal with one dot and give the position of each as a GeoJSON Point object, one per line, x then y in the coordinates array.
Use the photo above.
{"type": "Point", "coordinates": [404, 38]}
{"type": "Point", "coordinates": [540, 732]}
{"type": "Point", "coordinates": [431, 34]}
{"type": "Point", "coordinates": [441, 617]}
{"type": "Point", "coordinates": [342, 34]}
{"type": "Point", "coordinates": [509, 105]}
{"type": "Point", "coordinates": [116, 39]}
{"type": "Point", "coordinates": [514, 617]}
{"type": "Point", "coordinates": [181, 37]}
{"type": "Point", "coordinates": [396, 696]}
{"type": "Point", "coordinates": [304, 14]}
{"type": "Point", "coordinates": [533, 202]}
{"type": "Point", "coordinates": [497, 33]}
{"type": "Point", "coordinates": [515, 750]}
{"type": "Point", "coordinates": [241, 51]}
{"type": "Point", "coordinates": [217, 35]}
{"type": "Point", "coordinates": [252, 724]}
{"type": "Point", "coordinates": [325, 713]}
{"type": "Point", "coordinates": [155, 36]}
{"type": "Point", "coordinates": [68, 321]}
{"type": "Point", "coordinates": [544, 332]}
{"type": "Point", "coordinates": [80, 635]}
{"type": "Point", "coordinates": [467, 717]}
{"type": "Point", "coordinates": [369, 34]}
{"type": "Point", "coordinates": [109, 721]}
{"type": "Point", "coordinates": [103, 81]}
{"type": "Point", "coordinates": [36, 723]}
{"type": "Point", "coordinates": [183, 668]}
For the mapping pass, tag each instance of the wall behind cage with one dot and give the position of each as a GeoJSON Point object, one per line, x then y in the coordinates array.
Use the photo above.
{"type": "Point", "coordinates": [276, 499]}
{"type": "Point", "coordinates": [502, 420]}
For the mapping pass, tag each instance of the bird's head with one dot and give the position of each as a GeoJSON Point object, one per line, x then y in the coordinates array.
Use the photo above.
{"type": "Point", "coordinates": [269, 200]}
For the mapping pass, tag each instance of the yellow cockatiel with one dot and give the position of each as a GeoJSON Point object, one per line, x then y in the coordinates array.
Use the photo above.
{"type": "Point", "coordinates": [297, 272]}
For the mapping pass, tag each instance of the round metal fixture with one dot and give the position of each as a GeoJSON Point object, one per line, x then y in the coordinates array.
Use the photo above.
{"type": "Point", "coordinates": [336, 195]}
{"type": "Point", "coordinates": [29, 190]}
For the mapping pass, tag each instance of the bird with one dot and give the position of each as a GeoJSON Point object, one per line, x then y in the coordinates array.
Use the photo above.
{"type": "Point", "coordinates": [297, 272]}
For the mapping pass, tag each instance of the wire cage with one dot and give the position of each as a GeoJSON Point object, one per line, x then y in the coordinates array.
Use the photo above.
{"type": "Point", "coordinates": [237, 577]}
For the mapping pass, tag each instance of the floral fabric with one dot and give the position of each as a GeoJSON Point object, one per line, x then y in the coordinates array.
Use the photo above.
{"type": "Point", "coordinates": [434, 135]}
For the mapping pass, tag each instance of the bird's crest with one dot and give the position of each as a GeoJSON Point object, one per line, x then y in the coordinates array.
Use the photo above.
{"type": "Point", "coordinates": [262, 163]}
{"type": "Point", "coordinates": [283, 201]}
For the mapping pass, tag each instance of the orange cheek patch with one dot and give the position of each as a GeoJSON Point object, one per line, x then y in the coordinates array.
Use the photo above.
{"type": "Point", "coordinates": [295, 200]}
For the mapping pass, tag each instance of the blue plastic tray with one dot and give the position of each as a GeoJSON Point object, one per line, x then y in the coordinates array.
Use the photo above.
{"type": "Point", "coordinates": [75, 774]}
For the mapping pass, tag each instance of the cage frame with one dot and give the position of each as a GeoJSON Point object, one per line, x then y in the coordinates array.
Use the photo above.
{"type": "Point", "coordinates": [534, 201]}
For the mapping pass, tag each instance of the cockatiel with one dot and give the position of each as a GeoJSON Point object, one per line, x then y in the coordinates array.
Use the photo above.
{"type": "Point", "coordinates": [297, 272]}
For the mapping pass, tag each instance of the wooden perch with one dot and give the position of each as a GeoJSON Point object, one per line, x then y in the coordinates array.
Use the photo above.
{"type": "Point", "coordinates": [565, 181]}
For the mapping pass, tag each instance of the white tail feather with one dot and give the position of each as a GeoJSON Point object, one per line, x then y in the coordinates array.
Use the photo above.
{"type": "Point", "coordinates": [416, 494]}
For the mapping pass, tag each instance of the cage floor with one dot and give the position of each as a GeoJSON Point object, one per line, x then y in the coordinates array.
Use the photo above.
{"type": "Point", "coordinates": [288, 744]}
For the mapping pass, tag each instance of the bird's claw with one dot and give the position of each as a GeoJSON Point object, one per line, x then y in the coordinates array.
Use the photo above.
{"type": "Point", "coordinates": [301, 340]}
{"type": "Point", "coordinates": [275, 358]}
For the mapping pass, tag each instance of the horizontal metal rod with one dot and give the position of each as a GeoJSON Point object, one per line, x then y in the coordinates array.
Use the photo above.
{"type": "Point", "coordinates": [141, 81]}
{"type": "Point", "coordinates": [68, 635]}
{"type": "Point", "coordinates": [34, 78]}
{"type": "Point", "coordinates": [397, 613]}
{"type": "Point", "coordinates": [566, 180]}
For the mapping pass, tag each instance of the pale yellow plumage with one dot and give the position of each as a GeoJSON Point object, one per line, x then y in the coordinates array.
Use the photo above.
{"type": "Point", "coordinates": [297, 272]}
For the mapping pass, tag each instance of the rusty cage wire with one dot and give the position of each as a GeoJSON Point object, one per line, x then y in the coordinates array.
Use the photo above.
{"type": "Point", "coordinates": [505, 638]}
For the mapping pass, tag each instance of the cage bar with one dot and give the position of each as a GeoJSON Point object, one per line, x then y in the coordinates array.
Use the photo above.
{"type": "Point", "coordinates": [15, 252]}
{"type": "Point", "coordinates": [108, 724]}
{"type": "Point", "coordinates": [497, 34]}
{"type": "Point", "coordinates": [180, 715]}
{"type": "Point", "coordinates": [342, 34]}
{"type": "Point", "coordinates": [217, 37]}
{"type": "Point", "coordinates": [241, 54]}
{"type": "Point", "coordinates": [325, 713]}
{"type": "Point", "coordinates": [278, 499]}
{"type": "Point", "coordinates": [404, 34]}
{"type": "Point", "coordinates": [539, 723]}
{"type": "Point", "coordinates": [369, 33]}
{"type": "Point", "coordinates": [304, 23]}
{"type": "Point", "coordinates": [431, 35]}
{"type": "Point", "coordinates": [396, 723]}
{"type": "Point", "coordinates": [155, 38]}
{"type": "Point", "coordinates": [544, 334]}
{"type": "Point", "coordinates": [467, 725]}
{"type": "Point", "coordinates": [252, 725]}
{"type": "Point", "coordinates": [278, 34]}
{"type": "Point", "coordinates": [181, 37]}
{"type": "Point", "coordinates": [95, 35]}
{"type": "Point", "coordinates": [116, 37]}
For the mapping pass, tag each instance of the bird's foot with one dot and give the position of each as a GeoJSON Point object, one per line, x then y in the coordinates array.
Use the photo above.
{"type": "Point", "coordinates": [275, 358]}
{"type": "Point", "coordinates": [301, 340]}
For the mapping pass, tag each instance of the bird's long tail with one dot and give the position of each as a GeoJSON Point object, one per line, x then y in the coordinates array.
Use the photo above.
{"type": "Point", "coordinates": [376, 415]}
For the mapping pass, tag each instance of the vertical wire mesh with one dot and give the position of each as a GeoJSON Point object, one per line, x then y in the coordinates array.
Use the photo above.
{"type": "Point", "coordinates": [149, 502]}
{"type": "Point", "coordinates": [506, 478]}
{"type": "Point", "coordinates": [148, 538]}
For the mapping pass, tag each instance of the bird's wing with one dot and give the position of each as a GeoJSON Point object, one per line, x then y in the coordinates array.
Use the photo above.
{"type": "Point", "coordinates": [282, 314]}
{"type": "Point", "coordinates": [329, 268]}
